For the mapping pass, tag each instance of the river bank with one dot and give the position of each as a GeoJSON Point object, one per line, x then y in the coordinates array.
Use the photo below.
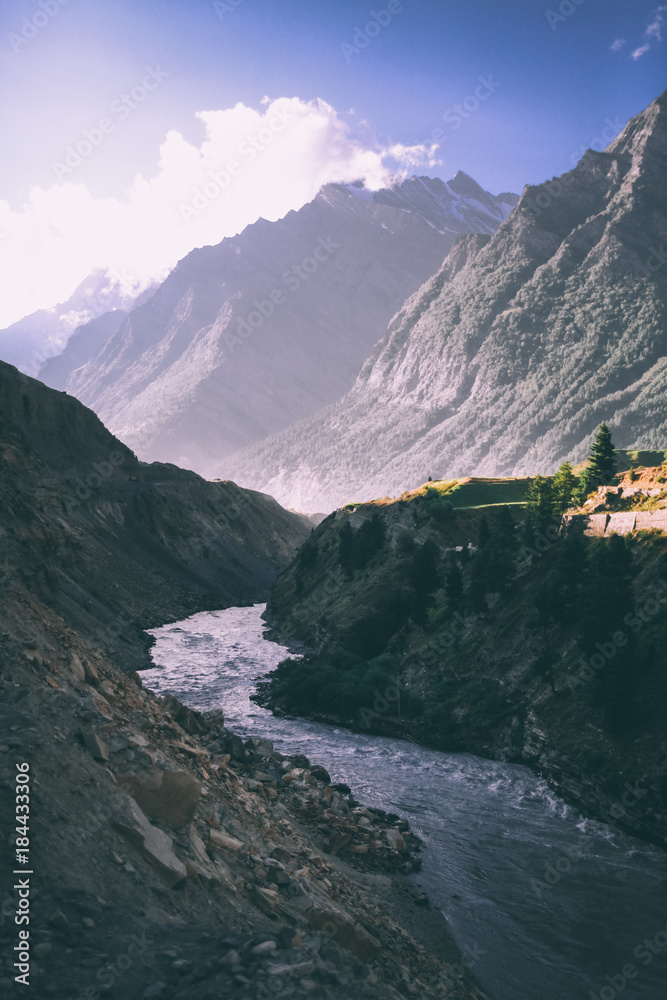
{"type": "Point", "coordinates": [519, 876]}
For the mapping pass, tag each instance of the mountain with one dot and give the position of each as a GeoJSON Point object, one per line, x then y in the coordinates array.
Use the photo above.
{"type": "Point", "coordinates": [81, 514]}
{"type": "Point", "coordinates": [244, 338]}
{"type": "Point", "coordinates": [30, 341]}
{"type": "Point", "coordinates": [509, 357]}
{"type": "Point", "coordinates": [83, 343]}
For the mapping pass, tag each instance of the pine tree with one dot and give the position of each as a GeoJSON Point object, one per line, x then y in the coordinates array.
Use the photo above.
{"type": "Point", "coordinates": [601, 464]}
{"type": "Point", "coordinates": [539, 504]}
{"type": "Point", "coordinates": [563, 488]}
{"type": "Point", "coordinates": [602, 459]}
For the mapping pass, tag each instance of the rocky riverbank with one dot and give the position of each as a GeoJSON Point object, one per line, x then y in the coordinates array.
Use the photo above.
{"type": "Point", "coordinates": [165, 858]}
{"type": "Point", "coordinates": [214, 867]}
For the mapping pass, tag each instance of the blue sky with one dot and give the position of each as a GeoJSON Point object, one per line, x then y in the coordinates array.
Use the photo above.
{"type": "Point", "coordinates": [556, 85]}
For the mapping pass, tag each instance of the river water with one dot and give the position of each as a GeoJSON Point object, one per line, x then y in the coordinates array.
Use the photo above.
{"type": "Point", "coordinates": [547, 904]}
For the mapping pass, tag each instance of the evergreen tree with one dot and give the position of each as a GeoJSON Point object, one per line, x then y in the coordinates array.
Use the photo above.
{"type": "Point", "coordinates": [539, 505]}
{"type": "Point", "coordinates": [563, 486]}
{"type": "Point", "coordinates": [601, 464]}
{"type": "Point", "coordinates": [454, 587]}
{"type": "Point", "coordinates": [602, 459]}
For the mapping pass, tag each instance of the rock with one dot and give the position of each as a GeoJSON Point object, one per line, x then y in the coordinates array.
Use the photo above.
{"type": "Point", "coordinates": [91, 675]}
{"type": "Point", "coordinates": [231, 958]}
{"type": "Point", "coordinates": [170, 796]}
{"type": "Point", "coordinates": [118, 743]}
{"type": "Point", "coordinates": [59, 921]}
{"type": "Point", "coordinates": [395, 839]}
{"type": "Point", "coordinates": [264, 748]}
{"type": "Point", "coordinates": [300, 760]}
{"type": "Point", "coordinates": [268, 900]}
{"type": "Point", "coordinates": [299, 970]}
{"type": "Point", "coordinates": [220, 839]}
{"type": "Point", "coordinates": [321, 774]}
{"type": "Point", "coordinates": [342, 788]}
{"type": "Point", "coordinates": [88, 922]}
{"type": "Point", "coordinates": [189, 720]}
{"type": "Point", "coordinates": [77, 669]}
{"type": "Point", "coordinates": [233, 745]}
{"type": "Point", "coordinates": [156, 846]}
{"type": "Point", "coordinates": [339, 927]}
{"type": "Point", "coordinates": [264, 948]}
{"type": "Point", "coordinates": [94, 745]}
{"type": "Point", "coordinates": [136, 740]}
{"type": "Point", "coordinates": [214, 718]}
{"type": "Point", "coordinates": [42, 950]}
{"type": "Point", "coordinates": [198, 845]}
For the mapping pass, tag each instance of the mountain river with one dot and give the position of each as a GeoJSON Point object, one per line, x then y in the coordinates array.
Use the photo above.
{"type": "Point", "coordinates": [546, 904]}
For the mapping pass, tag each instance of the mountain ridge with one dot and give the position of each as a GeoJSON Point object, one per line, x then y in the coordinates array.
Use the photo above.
{"type": "Point", "coordinates": [252, 334]}
{"type": "Point", "coordinates": [506, 364]}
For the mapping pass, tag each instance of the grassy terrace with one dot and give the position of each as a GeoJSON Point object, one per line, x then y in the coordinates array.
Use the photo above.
{"type": "Point", "coordinates": [469, 492]}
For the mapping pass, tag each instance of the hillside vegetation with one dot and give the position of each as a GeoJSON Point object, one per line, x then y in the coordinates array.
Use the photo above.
{"type": "Point", "coordinates": [491, 629]}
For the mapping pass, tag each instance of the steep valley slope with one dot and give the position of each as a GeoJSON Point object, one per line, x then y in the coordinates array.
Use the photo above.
{"type": "Point", "coordinates": [446, 618]}
{"type": "Point", "coordinates": [165, 857]}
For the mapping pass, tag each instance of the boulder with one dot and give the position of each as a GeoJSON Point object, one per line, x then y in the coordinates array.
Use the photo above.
{"type": "Point", "coordinates": [170, 796]}
{"type": "Point", "coordinates": [220, 839]}
{"type": "Point", "coordinates": [94, 745]}
{"type": "Point", "coordinates": [189, 720]}
{"type": "Point", "coordinates": [263, 748]}
{"type": "Point", "coordinates": [214, 719]}
{"type": "Point", "coordinates": [155, 845]}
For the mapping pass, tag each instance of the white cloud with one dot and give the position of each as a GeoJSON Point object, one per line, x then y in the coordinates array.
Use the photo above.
{"type": "Point", "coordinates": [654, 30]}
{"type": "Point", "coordinates": [618, 44]}
{"type": "Point", "coordinates": [638, 53]}
{"type": "Point", "coordinates": [251, 163]}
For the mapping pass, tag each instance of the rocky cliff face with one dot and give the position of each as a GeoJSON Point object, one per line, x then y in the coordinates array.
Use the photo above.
{"type": "Point", "coordinates": [244, 338]}
{"type": "Point", "coordinates": [166, 858]}
{"type": "Point", "coordinates": [508, 358]}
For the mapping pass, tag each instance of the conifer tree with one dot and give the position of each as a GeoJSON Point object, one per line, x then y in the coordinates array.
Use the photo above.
{"type": "Point", "coordinates": [601, 464]}
{"type": "Point", "coordinates": [563, 486]}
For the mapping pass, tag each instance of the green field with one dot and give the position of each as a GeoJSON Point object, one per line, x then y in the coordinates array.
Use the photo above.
{"type": "Point", "coordinates": [477, 492]}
